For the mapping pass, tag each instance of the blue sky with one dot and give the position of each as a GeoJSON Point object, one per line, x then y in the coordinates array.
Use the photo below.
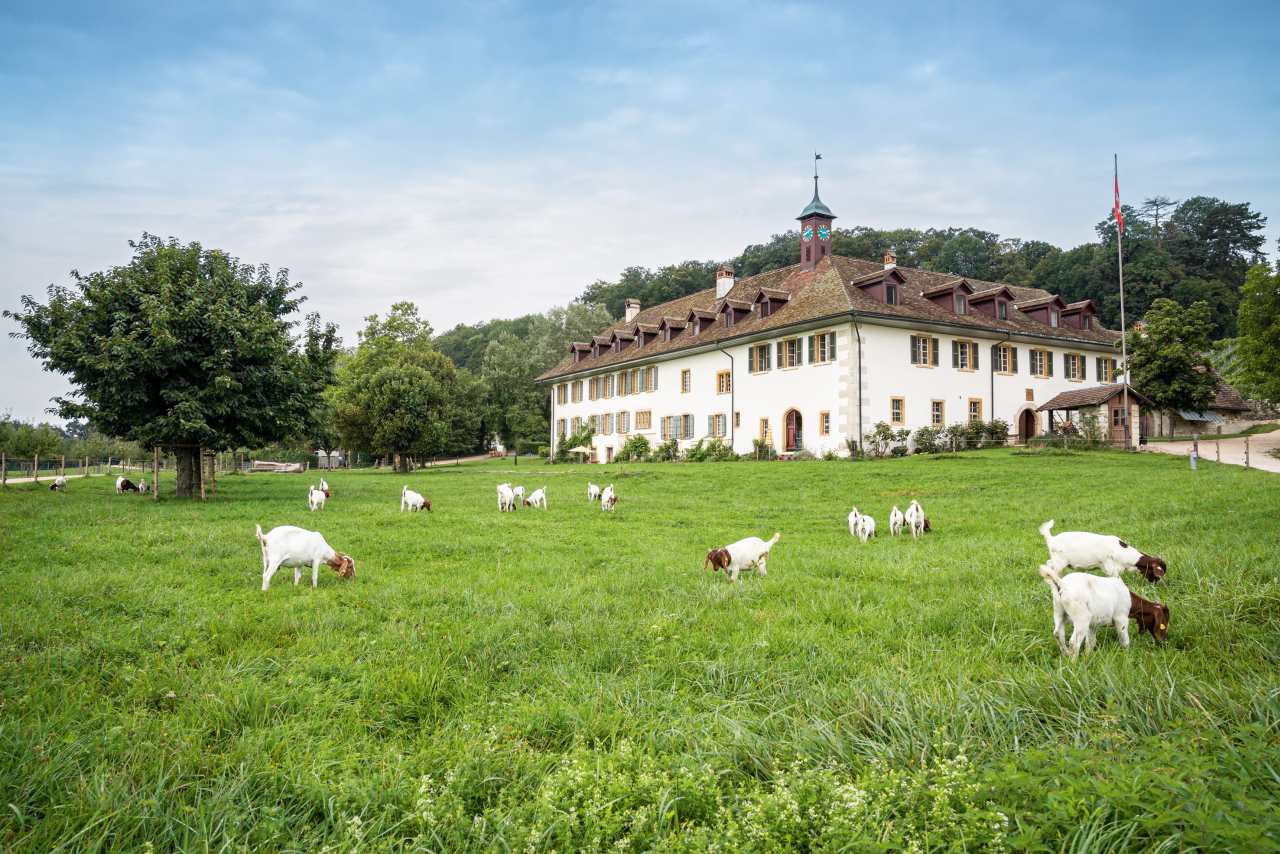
{"type": "Point", "coordinates": [493, 159]}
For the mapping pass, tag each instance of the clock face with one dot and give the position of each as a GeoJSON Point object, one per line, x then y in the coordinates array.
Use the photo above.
{"type": "Point", "coordinates": [808, 233]}
{"type": "Point", "coordinates": [824, 233]}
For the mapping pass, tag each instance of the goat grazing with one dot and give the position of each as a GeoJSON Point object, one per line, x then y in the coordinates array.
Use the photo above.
{"type": "Point", "coordinates": [1094, 600]}
{"type": "Point", "coordinates": [896, 521]}
{"type": "Point", "coordinates": [315, 498]}
{"type": "Point", "coordinates": [916, 519]}
{"type": "Point", "coordinates": [410, 500]}
{"type": "Point", "coordinates": [537, 498]}
{"type": "Point", "coordinates": [593, 492]}
{"type": "Point", "coordinates": [748, 553]}
{"type": "Point", "coordinates": [861, 525]}
{"type": "Point", "coordinates": [506, 498]}
{"type": "Point", "coordinates": [1083, 550]}
{"type": "Point", "coordinates": [324, 487]}
{"type": "Point", "coordinates": [608, 498]}
{"type": "Point", "coordinates": [291, 546]}
{"type": "Point", "coordinates": [142, 485]}
{"type": "Point", "coordinates": [123, 484]}
{"type": "Point", "coordinates": [59, 484]}
{"type": "Point", "coordinates": [518, 492]}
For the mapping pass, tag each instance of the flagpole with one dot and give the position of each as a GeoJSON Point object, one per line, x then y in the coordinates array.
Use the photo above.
{"type": "Point", "coordinates": [1124, 349]}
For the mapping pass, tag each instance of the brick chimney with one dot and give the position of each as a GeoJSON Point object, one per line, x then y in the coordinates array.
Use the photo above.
{"type": "Point", "coordinates": [724, 281]}
{"type": "Point", "coordinates": [890, 259]}
{"type": "Point", "coordinates": [632, 307]}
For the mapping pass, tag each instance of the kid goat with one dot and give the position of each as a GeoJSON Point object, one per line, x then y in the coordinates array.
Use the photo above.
{"type": "Point", "coordinates": [315, 498]}
{"type": "Point", "coordinates": [608, 498]}
{"type": "Point", "coordinates": [291, 546]}
{"type": "Point", "coordinates": [1093, 600]}
{"type": "Point", "coordinates": [748, 553]}
{"type": "Point", "coordinates": [1083, 550]}
{"type": "Point", "coordinates": [410, 500]}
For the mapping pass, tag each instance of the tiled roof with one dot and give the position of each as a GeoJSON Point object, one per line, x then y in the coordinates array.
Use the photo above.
{"type": "Point", "coordinates": [1091, 396]}
{"type": "Point", "coordinates": [1228, 398]}
{"type": "Point", "coordinates": [829, 290]}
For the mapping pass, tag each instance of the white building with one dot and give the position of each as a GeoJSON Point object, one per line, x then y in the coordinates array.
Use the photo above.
{"type": "Point", "coordinates": [815, 354]}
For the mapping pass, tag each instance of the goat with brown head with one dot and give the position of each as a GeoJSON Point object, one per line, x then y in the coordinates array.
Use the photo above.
{"type": "Point", "coordinates": [343, 565]}
{"type": "Point", "coordinates": [1152, 567]}
{"type": "Point", "coordinates": [717, 559]}
{"type": "Point", "coordinates": [1152, 617]}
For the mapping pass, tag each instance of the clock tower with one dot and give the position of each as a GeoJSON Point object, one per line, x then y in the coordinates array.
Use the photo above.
{"type": "Point", "coordinates": [815, 227]}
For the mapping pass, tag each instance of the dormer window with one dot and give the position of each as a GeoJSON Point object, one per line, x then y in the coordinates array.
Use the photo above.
{"type": "Point", "coordinates": [1002, 309]}
{"type": "Point", "coordinates": [1087, 321]}
{"type": "Point", "coordinates": [961, 303]}
{"type": "Point", "coordinates": [1053, 317]}
{"type": "Point", "coordinates": [766, 308]}
{"type": "Point", "coordinates": [728, 318]}
{"type": "Point", "coordinates": [891, 293]}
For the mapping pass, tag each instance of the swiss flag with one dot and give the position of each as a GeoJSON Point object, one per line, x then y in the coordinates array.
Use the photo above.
{"type": "Point", "coordinates": [1119, 216]}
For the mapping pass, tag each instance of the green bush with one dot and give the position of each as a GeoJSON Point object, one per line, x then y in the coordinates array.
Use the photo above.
{"type": "Point", "coordinates": [926, 439]}
{"type": "Point", "coordinates": [635, 450]}
{"type": "Point", "coordinates": [573, 440]}
{"type": "Point", "coordinates": [763, 451]}
{"type": "Point", "coordinates": [879, 440]}
{"type": "Point", "coordinates": [974, 432]}
{"type": "Point", "coordinates": [666, 452]}
{"type": "Point", "coordinates": [954, 438]}
{"type": "Point", "coordinates": [997, 432]}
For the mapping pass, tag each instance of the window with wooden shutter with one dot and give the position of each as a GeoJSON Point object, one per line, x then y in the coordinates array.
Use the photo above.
{"type": "Point", "coordinates": [933, 352]}
{"type": "Point", "coordinates": [686, 427]}
{"type": "Point", "coordinates": [724, 382]}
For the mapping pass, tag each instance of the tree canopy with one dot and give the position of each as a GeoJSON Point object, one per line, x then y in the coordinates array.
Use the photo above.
{"type": "Point", "coordinates": [1258, 347]}
{"type": "Point", "coordinates": [1168, 359]}
{"type": "Point", "coordinates": [183, 347]}
{"type": "Point", "coordinates": [398, 396]}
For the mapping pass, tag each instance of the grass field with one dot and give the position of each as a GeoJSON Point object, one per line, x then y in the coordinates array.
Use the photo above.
{"type": "Point", "coordinates": [572, 679]}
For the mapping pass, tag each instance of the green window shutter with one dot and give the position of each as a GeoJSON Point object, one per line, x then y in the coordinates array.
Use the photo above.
{"type": "Point", "coordinates": [955, 354]}
{"type": "Point", "coordinates": [934, 353]}
{"type": "Point", "coordinates": [1097, 367]}
{"type": "Point", "coordinates": [1048, 362]}
{"type": "Point", "coordinates": [751, 360]}
{"type": "Point", "coordinates": [1013, 354]}
{"type": "Point", "coordinates": [1084, 370]}
{"type": "Point", "coordinates": [831, 346]}
{"type": "Point", "coordinates": [915, 350]}
{"type": "Point", "coordinates": [781, 359]}
{"type": "Point", "coordinates": [813, 347]}
{"type": "Point", "coordinates": [973, 353]}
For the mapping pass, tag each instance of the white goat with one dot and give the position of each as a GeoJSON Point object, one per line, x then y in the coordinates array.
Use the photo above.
{"type": "Point", "coordinates": [608, 498]}
{"type": "Point", "coordinates": [537, 498]}
{"type": "Point", "coordinates": [142, 485]}
{"type": "Point", "coordinates": [410, 500]}
{"type": "Point", "coordinates": [593, 492]}
{"type": "Point", "coordinates": [288, 545]}
{"type": "Point", "coordinates": [506, 498]}
{"type": "Point", "coordinates": [123, 484]}
{"type": "Point", "coordinates": [748, 553]}
{"type": "Point", "coordinates": [59, 484]}
{"type": "Point", "coordinates": [915, 519]}
{"type": "Point", "coordinates": [1094, 600]}
{"type": "Point", "coordinates": [324, 487]}
{"type": "Point", "coordinates": [315, 498]}
{"type": "Point", "coordinates": [896, 520]}
{"type": "Point", "coordinates": [518, 492]}
{"type": "Point", "coordinates": [1083, 550]}
{"type": "Point", "coordinates": [861, 525]}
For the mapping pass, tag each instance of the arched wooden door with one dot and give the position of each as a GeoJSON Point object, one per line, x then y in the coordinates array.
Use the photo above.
{"type": "Point", "coordinates": [1026, 425]}
{"type": "Point", "coordinates": [794, 430]}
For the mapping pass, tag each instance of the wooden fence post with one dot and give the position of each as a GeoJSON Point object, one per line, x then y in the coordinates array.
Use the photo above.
{"type": "Point", "coordinates": [200, 451]}
{"type": "Point", "coordinates": [4, 469]}
{"type": "Point", "coordinates": [1217, 451]}
{"type": "Point", "coordinates": [62, 466]}
{"type": "Point", "coordinates": [1246, 451]}
{"type": "Point", "coordinates": [35, 468]}
{"type": "Point", "coordinates": [155, 474]}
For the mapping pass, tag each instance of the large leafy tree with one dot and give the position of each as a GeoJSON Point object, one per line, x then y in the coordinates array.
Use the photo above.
{"type": "Point", "coordinates": [182, 348]}
{"type": "Point", "coordinates": [399, 396]}
{"type": "Point", "coordinates": [1169, 359]}
{"type": "Point", "coordinates": [1258, 347]}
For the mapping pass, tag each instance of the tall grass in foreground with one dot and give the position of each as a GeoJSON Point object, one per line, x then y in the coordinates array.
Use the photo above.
{"type": "Point", "coordinates": [573, 680]}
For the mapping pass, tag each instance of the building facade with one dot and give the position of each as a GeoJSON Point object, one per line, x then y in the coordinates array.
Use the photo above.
{"type": "Point", "coordinates": [810, 357]}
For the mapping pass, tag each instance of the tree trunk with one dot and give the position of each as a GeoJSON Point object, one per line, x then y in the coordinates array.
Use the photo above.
{"type": "Point", "coordinates": [187, 469]}
{"type": "Point", "coordinates": [402, 463]}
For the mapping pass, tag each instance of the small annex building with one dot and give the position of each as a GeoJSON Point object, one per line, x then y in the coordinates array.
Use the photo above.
{"type": "Point", "coordinates": [1107, 401]}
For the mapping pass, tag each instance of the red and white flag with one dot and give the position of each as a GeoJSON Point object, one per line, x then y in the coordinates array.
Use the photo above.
{"type": "Point", "coordinates": [1119, 215]}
